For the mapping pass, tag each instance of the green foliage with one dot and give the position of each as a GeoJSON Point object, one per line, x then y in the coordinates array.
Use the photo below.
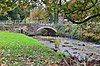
{"type": "Point", "coordinates": [81, 9]}
{"type": "Point", "coordinates": [61, 29]}
{"type": "Point", "coordinates": [16, 10]}
{"type": "Point", "coordinates": [88, 31]}
{"type": "Point", "coordinates": [5, 6]}
{"type": "Point", "coordinates": [91, 31]}
{"type": "Point", "coordinates": [17, 14]}
{"type": "Point", "coordinates": [62, 54]}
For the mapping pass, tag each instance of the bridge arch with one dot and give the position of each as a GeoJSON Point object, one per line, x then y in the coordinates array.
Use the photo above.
{"type": "Point", "coordinates": [47, 27]}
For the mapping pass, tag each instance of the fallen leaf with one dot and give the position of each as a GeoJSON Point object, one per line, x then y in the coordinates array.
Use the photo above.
{"type": "Point", "coordinates": [46, 61]}
{"type": "Point", "coordinates": [53, 64]}
{"type": "Point", "coordinates": [3, 65]}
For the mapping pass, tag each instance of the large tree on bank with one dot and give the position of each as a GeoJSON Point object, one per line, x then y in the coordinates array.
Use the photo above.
{"type": "Point", "coordinates": [11, 8]}
{"type": "Point", "coordinates": [77, 11]}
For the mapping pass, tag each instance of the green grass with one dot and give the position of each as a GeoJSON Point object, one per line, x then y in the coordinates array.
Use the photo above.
{"type": "Point", "coordinates": [18, 49]}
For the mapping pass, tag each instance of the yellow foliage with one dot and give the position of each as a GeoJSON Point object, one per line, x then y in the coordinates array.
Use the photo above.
{"type": "Point", "coordinates": [39, 13]}
{"type": "Point", "coordinates": [72, 2]}
{"type": "Point", "coordinates": [46, 61]}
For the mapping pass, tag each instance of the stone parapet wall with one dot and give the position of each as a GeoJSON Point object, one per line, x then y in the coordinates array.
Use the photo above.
{"type": "Point", "coordinates": [2, 28]}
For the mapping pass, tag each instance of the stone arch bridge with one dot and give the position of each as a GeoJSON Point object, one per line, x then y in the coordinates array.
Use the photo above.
{"type": "Point", "coordinates": [29, 27]}
{"type": "Point", "coordinates": [32, 29]}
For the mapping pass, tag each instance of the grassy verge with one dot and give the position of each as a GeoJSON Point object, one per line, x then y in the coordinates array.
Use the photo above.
{"type": "Point", "coordinates": [18, 50]}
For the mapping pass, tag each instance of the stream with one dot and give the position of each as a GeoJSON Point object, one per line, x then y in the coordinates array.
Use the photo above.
{"type": "Point", "coordinates": [82, 50]}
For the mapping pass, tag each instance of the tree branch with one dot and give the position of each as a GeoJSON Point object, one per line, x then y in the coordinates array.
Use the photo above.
{"type": "Point", "coordinates": [93, 2]}
{"type": "Point", "coordinates": [85, 20]}
{"type": "Point", "coordinates": [74, 11]}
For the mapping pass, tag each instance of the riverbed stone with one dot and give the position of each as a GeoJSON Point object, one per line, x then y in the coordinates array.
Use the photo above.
{"type": "Point", "coordinates": [52, 41]}
{"type": "Point", "coordinates": [66, 42]}
{"type": "Point", "coordinates": [64, 45]}
{"type": "Point", "coordinates": [74, 52]}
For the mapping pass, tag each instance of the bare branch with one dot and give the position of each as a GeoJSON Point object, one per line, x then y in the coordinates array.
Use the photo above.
{"type": "Point", "coordinates": [85, 20]}
{"type": "Point", "coordinates": [94, 4]}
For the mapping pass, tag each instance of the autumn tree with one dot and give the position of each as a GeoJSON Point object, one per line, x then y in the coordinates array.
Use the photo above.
{"type": "Point", "coordinates": [77, 11]}
{"type": "Point", "coordinates": [5, 6]}
{"type": "Point", "coordinates": [9, 7]}
{"type": "Point", "coordinates": [39, 13]}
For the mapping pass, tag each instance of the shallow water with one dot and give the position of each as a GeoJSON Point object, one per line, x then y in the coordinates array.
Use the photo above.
{"type": "Point", "coordinates": [83, 50]}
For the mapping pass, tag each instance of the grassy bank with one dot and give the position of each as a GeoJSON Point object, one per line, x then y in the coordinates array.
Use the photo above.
{"type": "Point", "coordinates": [18, 49]}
